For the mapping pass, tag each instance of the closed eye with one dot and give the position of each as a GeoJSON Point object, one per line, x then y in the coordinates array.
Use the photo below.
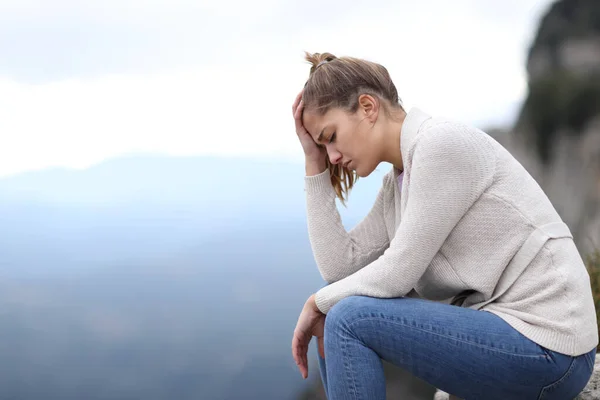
{"type": "Point", "coordinates": [332, 138]}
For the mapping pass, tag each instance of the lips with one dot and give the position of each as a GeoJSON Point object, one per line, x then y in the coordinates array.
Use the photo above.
{"type": "Point", "coordinates": [347, 164]}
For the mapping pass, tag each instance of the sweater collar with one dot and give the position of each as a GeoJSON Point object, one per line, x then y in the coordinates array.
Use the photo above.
{"type": "Point", "coordinates": [413, 121]}
{"type": "Point", "coordinates": [410, 128]}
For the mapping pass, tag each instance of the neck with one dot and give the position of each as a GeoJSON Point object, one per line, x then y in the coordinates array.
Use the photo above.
{"type": "Point", "coordinates": [391, 141]}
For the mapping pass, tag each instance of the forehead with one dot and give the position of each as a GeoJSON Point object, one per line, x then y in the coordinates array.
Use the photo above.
{"type": "Point", "coordinates": [315, 123]}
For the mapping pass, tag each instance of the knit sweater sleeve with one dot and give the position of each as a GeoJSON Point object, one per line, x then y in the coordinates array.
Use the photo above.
{"type": "Point", "coordinates": [451, 167]}
{"type": "Point", "coordinates": [337, 252]}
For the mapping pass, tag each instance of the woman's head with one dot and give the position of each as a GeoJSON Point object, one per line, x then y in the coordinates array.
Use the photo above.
{"type": "Point", "coordinates": [347, 102]}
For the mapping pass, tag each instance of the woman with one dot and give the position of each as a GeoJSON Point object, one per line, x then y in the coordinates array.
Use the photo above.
{"type": "Point", "coordinates": [462, 272]}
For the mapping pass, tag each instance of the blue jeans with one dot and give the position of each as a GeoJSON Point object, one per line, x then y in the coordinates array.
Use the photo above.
{"type": "Point", "coordinates": [470, 354]}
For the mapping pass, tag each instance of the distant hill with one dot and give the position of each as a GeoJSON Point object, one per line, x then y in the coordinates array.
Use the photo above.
{"type": "Point", "coordinates": [147, 206]}
{"type": "Point", "coordinates": [156, 278]}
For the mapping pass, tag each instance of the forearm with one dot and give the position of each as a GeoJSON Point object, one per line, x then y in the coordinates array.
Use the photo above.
{"type": "Point", "coordinates": [339, 253]}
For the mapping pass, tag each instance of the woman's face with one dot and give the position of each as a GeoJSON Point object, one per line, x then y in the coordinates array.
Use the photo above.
{"type": "Point", "coordinates": [350, 139]}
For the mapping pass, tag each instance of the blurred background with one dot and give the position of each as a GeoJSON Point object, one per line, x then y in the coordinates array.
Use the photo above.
{"type": "Point", "coordinates": [153, 238]}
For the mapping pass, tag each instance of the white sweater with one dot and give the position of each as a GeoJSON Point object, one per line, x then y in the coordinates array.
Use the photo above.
{"type": "Point", "coordinates": [470, 226]}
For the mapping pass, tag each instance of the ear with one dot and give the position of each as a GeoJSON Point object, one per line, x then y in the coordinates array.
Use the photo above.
{"type": "Point", "coordinates": [368, 106]}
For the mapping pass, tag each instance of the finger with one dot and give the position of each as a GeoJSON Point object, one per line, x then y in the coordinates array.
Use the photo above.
{"type": "Point", "coordinates": [304, 364]}
{"type": "Point", "coordinates": [298, 113]}
{"type": "Point", "coordinates": [301, 109]}
{"type": "Point", "coordinates": [300, 129]}
{"type": "Point", "coordinates": [299, 351]}
{"type": "Point", "coordinates": [321, 345]}
{"type": "Point", "coordinates": [297, 101]}
{"type": "Point", "coordinates": [295, 345]}
{"type": "Point", "coordinates": [298, 118]}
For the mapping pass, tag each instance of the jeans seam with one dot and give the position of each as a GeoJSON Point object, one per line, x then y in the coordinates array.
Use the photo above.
{"type": "Point", "coordinates": [348, 367]}
{"type": "Point", "coordinates": [589, 360]}
{"type": "Point", "coordinates": [550, 387]}
{"type": "Point", "coordinates": [543, 356]}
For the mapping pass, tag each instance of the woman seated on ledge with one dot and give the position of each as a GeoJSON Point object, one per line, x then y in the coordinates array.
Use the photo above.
{"type": "Point", "coordinates": [462, 273]}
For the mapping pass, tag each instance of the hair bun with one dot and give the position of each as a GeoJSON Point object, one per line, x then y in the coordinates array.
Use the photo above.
{"type": "Point", "coordinates": [318, 59]}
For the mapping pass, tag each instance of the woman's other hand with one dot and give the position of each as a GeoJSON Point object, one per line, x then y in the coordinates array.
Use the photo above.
{"type": "Point", "coordinates": [310, 323]}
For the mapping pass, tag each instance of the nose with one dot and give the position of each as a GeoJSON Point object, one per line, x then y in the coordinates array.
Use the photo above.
{"type": "Point", "coordinates": [334, 156]}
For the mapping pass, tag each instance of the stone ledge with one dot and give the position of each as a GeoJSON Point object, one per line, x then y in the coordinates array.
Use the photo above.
{"type": "Point", "coordinates": [592, 389]}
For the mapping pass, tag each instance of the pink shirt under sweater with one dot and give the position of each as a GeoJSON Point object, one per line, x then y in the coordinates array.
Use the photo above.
{"type": "Point", "coordinates": [400, 180]}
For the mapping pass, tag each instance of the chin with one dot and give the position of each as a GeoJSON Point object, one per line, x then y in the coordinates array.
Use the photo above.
{"type": "Point", "coordinates": [363, 172]}
{"type": "Point", "coordinates": [365, 168]}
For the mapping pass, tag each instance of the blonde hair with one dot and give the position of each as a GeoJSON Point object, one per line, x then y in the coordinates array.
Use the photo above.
{"type": "Point", "coordinates": [337, 83]}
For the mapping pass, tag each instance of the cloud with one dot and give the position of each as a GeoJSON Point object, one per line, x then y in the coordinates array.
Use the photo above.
{"type": "Point", "coordinates": [186, 77]}
{"type": "Point", "coordinates": [77, 123]}
{"type": "Point", "coordinates": [43, 41]}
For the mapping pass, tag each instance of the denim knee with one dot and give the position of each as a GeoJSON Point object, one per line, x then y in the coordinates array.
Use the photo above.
{"type": "Point", "coordinates": [344, 312]}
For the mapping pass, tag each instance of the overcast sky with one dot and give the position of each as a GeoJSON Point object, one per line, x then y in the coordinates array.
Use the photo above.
{"type": "Point", "coordinates": [81, 82]}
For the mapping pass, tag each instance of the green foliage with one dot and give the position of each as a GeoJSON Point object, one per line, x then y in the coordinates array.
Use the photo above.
{"type": "Point", "coordinates": [559, 101]}
{"type": "Point", "coordinates": [593, 266]}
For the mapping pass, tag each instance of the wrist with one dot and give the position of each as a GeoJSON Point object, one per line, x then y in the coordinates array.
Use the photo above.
{"type": "Point", "coordinates": [312, 304]}
{"type": "Point", "coordinates": [315, 167]}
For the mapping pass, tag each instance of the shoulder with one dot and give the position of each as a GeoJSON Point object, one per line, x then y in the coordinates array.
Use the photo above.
{"type": "Point", "coordinates": [441, 136]}
{"type": "Point", "coordinates": [420, 126]}
{"type": "Point", "coordinates": [447, 151]}
{"type": "Point", "coordinates": [444, 129]}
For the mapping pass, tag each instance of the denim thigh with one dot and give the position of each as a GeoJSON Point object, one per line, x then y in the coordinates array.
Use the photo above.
{"type": "Point", "coordinates": [471, 354]}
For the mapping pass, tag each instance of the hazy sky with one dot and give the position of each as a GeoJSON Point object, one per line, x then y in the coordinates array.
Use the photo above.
{"type": "Point", "coordinates": [84, 81]}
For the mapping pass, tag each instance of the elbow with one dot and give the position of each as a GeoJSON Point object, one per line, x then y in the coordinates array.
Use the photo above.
{"type": "Point", "coordinates": [329, 276]}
